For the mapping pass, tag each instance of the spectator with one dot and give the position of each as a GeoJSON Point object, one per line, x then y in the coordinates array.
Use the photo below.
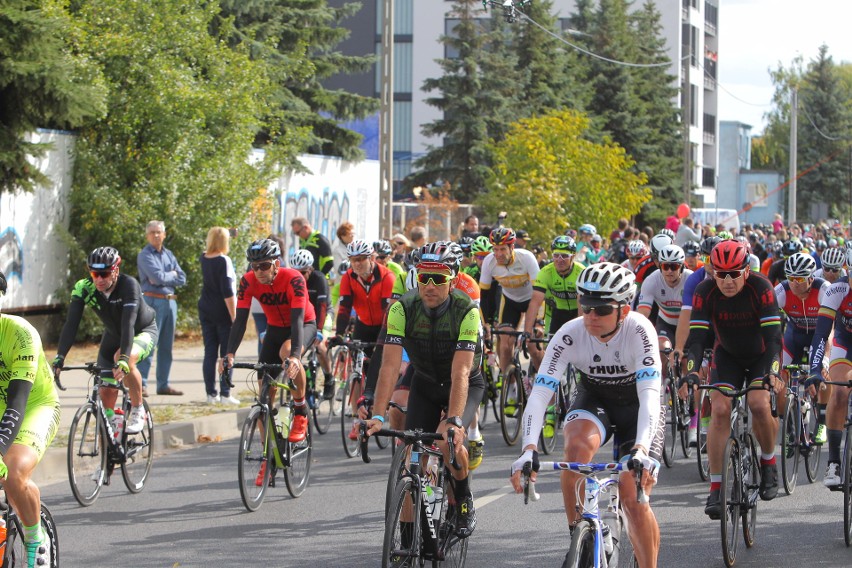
{"type": "Point", "coordinates": [619, 232]}
{"type": "Point", "coordinates": [417, 236]}
{"type": "Point", "coordinates": [521, 238]}
{"type": "Point", "coordinates": [159, 275]}
{"type": "Point", "coordinates": [314, 242]}
{"type": "Point", "coordinates": [777, 224]}
{"type": "Point", "coordinates": [686, 233]}
{"type": "Point", "coordinates": [673, 223]}
{"type": "Point", "coordinates": [400, 245]}
{"type": "Point", "coordinates": [216, 310]}
{"type": "Point", "coordinates": [345, 235]}
{"type": "Point", "coordinates": [471, 227]}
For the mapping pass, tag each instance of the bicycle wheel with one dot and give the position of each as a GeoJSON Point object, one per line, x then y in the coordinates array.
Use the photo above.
{"type": "Point", "coordinates": [683, 426]}
{"type": "Point", "coordinates": [670, 439]}
{"type": "Point", "coordinates": [847, 487]}
{"type": "Point", "coordinates": [347, 417]}
{"type": "Point", "coordinates": [511, 406]}
{"type": "Point", "coordinates": [298, 470]}
{"type": "Point", "coordinates": [397, 468]}
{"type": "Point", "coordinates": [252, 460]}
{"type": "Point", "coordinates": [582, 551]}
{"type": "Point", "coordinates": [790, 436]}
{"type": "Point", "coordinates": [15, 553]}
{"type": "Point", "coordinates": [87, 455]}
{"type": "Point", "coordinates": [731, 499]}
{"type": "Point", "coordinates": [751, 487]}
{"type": "Point", "coordinates": [454, 548]}
{"type": "Point", "coordinates": [814, 451]}
{"type": "Point", "coordinates": [323, 412]}
{"type": "Point", "coordinates": [403, 540]}
{"type": "Point", "coordinates": [139, 454]}
{"type": "Point", "coordinates": [701, 452]}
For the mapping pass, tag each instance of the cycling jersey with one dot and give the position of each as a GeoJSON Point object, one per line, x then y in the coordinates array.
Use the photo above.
{"type": "Point", "coordinates": [655, 290]}
{"type": "Point", "coordinates": [836, 311]}
{"type": "Point", "coordinates": [320, 248]}
{"type": "Point", "coordinates": [399, 282]}
{"type": "Point", "coordinates": [691, 284]}
{"type": "Point", "coordinates": [644, 268]}
{"type": "Point", "coordinates": [369, 300]}
{"type": "Point", "coordinates": [801, 314]}
{"type": "Point", "coordinates": [515, 279]}
{"type": "Point", "coordinates": [122, 312]}
{"type": "Point", "coordinates": [776, 271]}
{"type": "Point", "coordinates": [317, 285]}
{"type": "Point", "coordinates": [560, 292]}
{"type": "Point", "coordinates": [287, 292]}
{"type": "Point", "coordinates": [625, 370]}
{"type": "Point", "coordinates": [468, 285]}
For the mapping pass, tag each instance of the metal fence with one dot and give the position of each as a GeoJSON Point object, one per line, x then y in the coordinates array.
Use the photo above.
{"type": "Point", "coordinates": [441, 220]}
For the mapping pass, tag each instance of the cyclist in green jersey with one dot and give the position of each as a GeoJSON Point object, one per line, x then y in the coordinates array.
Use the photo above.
{"type": "Point", "coordinates": [480, 248]}
{"type": "Point", "coordinates": [29, 406]}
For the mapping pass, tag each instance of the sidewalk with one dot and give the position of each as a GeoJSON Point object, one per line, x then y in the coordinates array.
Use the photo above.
{"type": "Point", "coordinates": [179, 421]}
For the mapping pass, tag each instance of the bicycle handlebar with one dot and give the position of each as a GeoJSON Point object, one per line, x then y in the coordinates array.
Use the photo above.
{"type": "Point", "coordinates": [586, 470]}
{"type": "Point", "coordinates": [275, 368]}
{"type": "Point", "coordinates": [408, 436]}
{"type": "Point", "coordinates": [731, 393]}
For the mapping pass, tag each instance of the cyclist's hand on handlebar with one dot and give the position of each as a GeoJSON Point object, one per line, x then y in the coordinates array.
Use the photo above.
{"type": "Point", "coordinates": [295, 364]}
{"type": "Point", "coordinates": [775, 383]}
{"type": "Point", "coordinates": [641, 460]}
{"type": "Point", "coordinates": [57, 365]}
{"type": "Point", "coordinates": [335, 340]}
{"type": "Point", "coordinates": [373, 426]}
{"type": "Point", "coordinates": [688, 384]}
{"type": "Point", "coordinates": [365, 407]}
{"type": "Point", "coordinates": [225, 363]}
{"type": "Point", "coordinates": [528, 457]}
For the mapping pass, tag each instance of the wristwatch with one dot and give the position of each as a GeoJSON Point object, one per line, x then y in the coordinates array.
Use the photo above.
{"type": "Point", "coordinates": [454, 421]}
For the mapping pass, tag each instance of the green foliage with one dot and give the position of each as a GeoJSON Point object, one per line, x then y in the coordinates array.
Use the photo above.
{"type": "Point", "coordinates": [44, 83]}
{"type": "Point", "coordinates": [548, 175]}
{"type": "Point", "coordinates": [183, 111]}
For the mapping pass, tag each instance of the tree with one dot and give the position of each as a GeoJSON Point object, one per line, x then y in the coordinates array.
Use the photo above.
{"type": "Point", "coordinates": [43, 83]}
{"type": "Point", "coordinates": [297, 39]}
{"type": "Point", "coordinates": [548, 174]}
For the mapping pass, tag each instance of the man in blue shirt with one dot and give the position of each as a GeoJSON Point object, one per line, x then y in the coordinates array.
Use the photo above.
{"type": "Point", "coordinates": [160, 274]}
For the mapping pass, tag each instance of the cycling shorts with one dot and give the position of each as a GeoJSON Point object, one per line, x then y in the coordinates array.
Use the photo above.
{"type": "Point", "coordinates": [558, 318]}
{"type": "Point", "coordinates": [665, 329]}
{"type": "Point", "coordinates": [511, 311]}
{"type": "Point", "coordinates": [143, 346]}
{"type": "Point", "coordinates": [427, 402]}
{"type": "Point", "coordinates": [795, 345]}
{"type": "Point", "coordinates": [270, 351]}
{"type": "Point", "coordinates": [39, 427]}
{"type": "Point", "coordinates": [727, 370]}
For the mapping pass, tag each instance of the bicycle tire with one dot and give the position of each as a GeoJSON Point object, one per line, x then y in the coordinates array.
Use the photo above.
{"type": "Point", "coordinates": [323, 409]}
{"type": "Point", "coordinates": [751, 485]}
{"type": "Point", "coordinates": [87, 454]}
{"type": "Point", "coordinates": [252, 456]}
{"type": "Point", "coordinates": [138, 453]}
{"type": "Point", "coordinates": [814, 452]}
{"type": "Point", "coordinates": [347, 417]}
{"type": "Point", "coordinates": [582, 551]}
{"type": "Point", "coordinates": [340, 371]}
{"type": "Point", "coordinates": [15, 554]}
{"type": "Point", "coordinates": [510, 425]}
{"type": "Point", "coordinates": [397, 468]}
{"type": "Point", "coordinates": [394, 552]}
{"type": "Point", "coordinates": [453, 547]}
{"type": "Point", "coordinates": [731, 497]}
{"type": "Point", "coordinates": [847, 487]}
{"type": "Point", "coordinates": [684, 419]}
{"type": "Point", "coordinates": [701, 455]}
{"type": "Point", "coordinates": [670, 436]}
{"type": "Point", "coordinates": [298, 470]}
{"type": "Point", "coordinates": [790, 438]}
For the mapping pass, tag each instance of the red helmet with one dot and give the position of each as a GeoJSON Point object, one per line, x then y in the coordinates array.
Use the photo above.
{"type": "Point", "coordinates": [729, 255]}
{"type": "Point", "coordinates": [502, 236]}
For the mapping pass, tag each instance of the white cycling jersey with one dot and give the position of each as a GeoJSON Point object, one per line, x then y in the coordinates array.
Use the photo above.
{"type": "Point", "coordinates": [655, 289]}
{"type": "Point", "coordinates": [516, 279]}
{"type": "Point", "coordinates": [630, 357]}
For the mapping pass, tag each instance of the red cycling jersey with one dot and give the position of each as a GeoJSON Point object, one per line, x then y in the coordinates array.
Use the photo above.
{"type": "Point", "coordinates": [368, 301]}
{"type": "Point", "coordinates": [801, 314]}
{"type": "Point", "coordinates": [287, 292]}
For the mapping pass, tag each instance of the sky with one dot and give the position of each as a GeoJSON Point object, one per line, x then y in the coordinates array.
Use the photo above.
{"type": "Point", "coordinates": [755, 35]}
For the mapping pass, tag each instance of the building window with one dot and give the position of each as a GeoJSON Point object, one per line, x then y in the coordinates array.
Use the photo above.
{"type": "Point", "coordinates": [708, 177]}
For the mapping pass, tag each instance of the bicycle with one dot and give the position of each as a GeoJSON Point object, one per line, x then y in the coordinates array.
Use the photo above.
{"type": "Point", "coordinates": [14, 548]}
{"type": "Point", "coordinates": [493, 383]}
{"type": "Point", "coordinates": [703, 408]}
{"type": "Point", "coordinates": [423, 496]}
{"type": "Point", "coordinates": [846, 465]}
{"type": "Point", "coordinates": [677, 413]}
{"type": "Point", "coordinates": [351, 369]}
{"type": "Point", "coordinates": [513, 392]}
{"type": "Point", "coordinates": [555, 413]}
{"type": "Point", "coordinates": [321, 407]}
{"type": "Point", "coordinates": [741, 475]}
{"type": "Point", "coordinates": [95, 448]}
{"type": "Point", "coordinates": [264, 447]}
{"type": "Point", "coordinates": [597, 538]}
{"type": "Point", "coordinates": [798, 430]}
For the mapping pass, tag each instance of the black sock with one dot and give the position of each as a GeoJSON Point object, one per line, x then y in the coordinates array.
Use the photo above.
{"type": "Point", "coordinates": [834, 439]}
{"type": "Point", "coordinates": [461, 489]}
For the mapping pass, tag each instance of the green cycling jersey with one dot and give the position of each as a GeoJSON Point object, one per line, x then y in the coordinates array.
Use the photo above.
{"type": "Point", "coordinates": [560, 292]}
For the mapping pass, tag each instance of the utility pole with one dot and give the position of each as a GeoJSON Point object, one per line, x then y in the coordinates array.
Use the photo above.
{"type": "Point", "coordinates": [791, 200]}
{"type": "Point", "coordinates": [687, 124]}
{"type": "Point", "coordinates": [386, 123]}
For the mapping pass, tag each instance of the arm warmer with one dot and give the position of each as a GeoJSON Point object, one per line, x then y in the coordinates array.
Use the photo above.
{"type": "Point", "coordinates": [533, 420]}
{"type": "Point", "coordinates": [128, 321]}
{"type": "Point", "coordinates": [823, 329]}
{"type": "Point", "coordinates": [16, 404]}
{"type": "Point", "coordinates": [487, 302]}
{"type": "Point", "coordinates": [69, 330]}
{"type": "Point", "coordinates": [297, 332]}
{"type": "Point", "coordinates": [649, 412]}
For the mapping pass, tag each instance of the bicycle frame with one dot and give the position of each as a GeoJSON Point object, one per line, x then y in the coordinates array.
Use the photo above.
{"type": "Point", "coordinates": [114, 446]}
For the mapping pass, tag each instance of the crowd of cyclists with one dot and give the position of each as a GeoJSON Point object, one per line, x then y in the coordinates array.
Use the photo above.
{"type": "Point", "coordinates": [754, 302]}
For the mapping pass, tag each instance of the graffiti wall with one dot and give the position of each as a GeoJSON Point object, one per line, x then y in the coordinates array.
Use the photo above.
{"type": "Point", "coordinates": [334, 192]}
{"type": "Point", "coordinates": [32, 252]}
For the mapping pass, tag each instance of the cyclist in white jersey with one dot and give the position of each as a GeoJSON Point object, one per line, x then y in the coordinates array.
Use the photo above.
{"type": "Point", "coordinates": [617, 356]}
{"type": "Point", "coordinates": [665, 288]}
{"type": "Point", "coordinates": [832, 269]}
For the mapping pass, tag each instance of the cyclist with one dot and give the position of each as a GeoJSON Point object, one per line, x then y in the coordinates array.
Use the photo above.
{"type": "Point", "coordinates": [636, 251]}
{"type": "Point", "coordinates": [741, 308]}
{"type": "Point", "coordinates": [800, 297]}
{"type": "Point", "coordinates": [480, 248]}
{"type": "Point", "coordinates": [130, 329]}
{"type": "Point", "coordinates": [691, 250]}
{"type": "Point", "coordinates": [367, 289]}
{"type": "Point", "coordinates": [30, 417]}
{"type": "Point", "coordinates": [832, 265]}
{"type": "Point", "coordinates": [616, 354]}
{"type": "Point", "coordinates": [836, 312]}
{"type": "Point", "coordinates": [439, 328]}
{"type": "Point", "coordinates": [291, 321]}
{"type": "Point", "coordinates": [317, 284]}
{"type": "Point", "coordinates": [788, 249]}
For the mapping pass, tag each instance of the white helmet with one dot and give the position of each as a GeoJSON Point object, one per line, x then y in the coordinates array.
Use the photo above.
{"type": "Point", "coordinates": [606, 282]}
{"type": "Point", "coordinates": [411, 280]}
{"type": "Point", "coordinates": [359, 248]}
{"type": "Point", "coordinates": [833, 258]}
{"type": "Point", "coordinates": [636, 248]}
{"type": "Point", "coordinates": [668, 232]}
{"type": "Point", "coordinates": [302, 260]}
{"type": "Point", "coordinates": [800, 264]}
{"type": "Point", "coordinates": [671, 253]}
{"type": "Point", "coordinates": [658, 243]}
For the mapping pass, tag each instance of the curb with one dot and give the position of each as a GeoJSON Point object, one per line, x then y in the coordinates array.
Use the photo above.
{"type": "Point", "coordinates": [169, 437]}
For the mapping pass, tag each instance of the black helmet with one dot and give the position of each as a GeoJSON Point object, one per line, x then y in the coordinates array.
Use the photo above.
{"type": "Point", "coordinates": [263, 249]}
{"type": "Point", "coordinates": [791, 247]}
{"type": "Point", "coordinates": [103, 258]}
{"type": "Point", "coordinates": [691, 248]}
{"type": "Point", "coordinates": [382, 248]}
{"type": "Point", "coordinates": [440, 252]}
{"type": "Point", "coordinates": [2, 283]}
{"type": "Point", "coordinates": [708, 244]}
{"type": "Point", "coordinates": [465, 243]}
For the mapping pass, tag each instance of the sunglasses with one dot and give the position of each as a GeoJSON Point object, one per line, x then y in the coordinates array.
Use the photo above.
{"type": "Point", "coordinates": [481, 254]}
{"type": "Point", "coordinates": [671, 266]}
{"type": "Point", "coordinates": [435, 278]}
{"type": "Point", "coordinates": [562, 256]}
{"type": "Point", "coordinates": [637, 257]}
{"type": "Point", "coordinates": [261, 266]}
{"type": "Point", "coordinates": [732, 274]}
{"type": "Point", "coordinates": [798, 279]}
{"type": "Point", "coordinates": [381, 256]}
{"type": "Point", "coordinates": [399, 244]}
{"type": "Point", "coordinates": [827, 269]}
{"type": "Point", "coordinates": [100, 274]}
{"type": "Point", "coordinates": [604, 310]}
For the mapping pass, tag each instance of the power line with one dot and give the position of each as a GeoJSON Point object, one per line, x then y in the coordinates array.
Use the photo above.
{"type": "Point", "coordinates": [820, 132]}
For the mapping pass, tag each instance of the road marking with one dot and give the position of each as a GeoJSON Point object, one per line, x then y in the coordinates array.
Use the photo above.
{"type": "Point", "coordinates": [480, 502]}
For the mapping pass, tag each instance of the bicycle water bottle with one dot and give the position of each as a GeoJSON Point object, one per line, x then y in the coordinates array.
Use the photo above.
{"type": "Point", "coordinates": [284, 415]}
{"type": "Point", "coordinates": [434, 492]}
{"type": "Point", "coordinates": [118, 423]}
{"type": "Point", "coordinates": [609, 520]}
{"type": "Point", "coordinates": [2, 538]}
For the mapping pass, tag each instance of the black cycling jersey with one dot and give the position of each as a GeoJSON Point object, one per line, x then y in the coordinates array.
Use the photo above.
{"type": "Point", "coordinates": [318, 295]}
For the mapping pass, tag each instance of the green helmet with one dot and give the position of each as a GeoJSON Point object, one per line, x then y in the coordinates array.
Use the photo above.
{"type": "Point", "coordinates": [481, 245]}
{"type": "Point", "coordinates": [564, 243]}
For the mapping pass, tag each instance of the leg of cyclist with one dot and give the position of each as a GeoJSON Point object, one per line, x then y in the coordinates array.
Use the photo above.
{"type": "Point", "coordinates": [325, 365]}
{"type": "Point", "coordinates": [717, 437]}
{"type": "Point", "coordinates": [765, 428]}
{"type": "Point", "coordinates": [583, 437]}
{"type": "Point", "coordinates": [840, 370]}
{"type": "Point", "coordinates": [300, 409]}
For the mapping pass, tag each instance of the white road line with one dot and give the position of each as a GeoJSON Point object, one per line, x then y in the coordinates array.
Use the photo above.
{"type": "Point", "coordinates": [480, 502]}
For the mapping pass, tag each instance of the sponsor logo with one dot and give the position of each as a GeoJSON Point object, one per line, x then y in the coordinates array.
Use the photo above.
{"type": "Point", "coordinates": [568, 340]}
{"type": "Point", "coordinates": [25, 358]}
{"type": "Point", "coordinates": [608, 369]}
{"type": "Point", "coordinates": [647, 374]}
{"type": "Point", "coordinates": [596, 358]}
{"type": "Point", "coordinates": [648, 361]}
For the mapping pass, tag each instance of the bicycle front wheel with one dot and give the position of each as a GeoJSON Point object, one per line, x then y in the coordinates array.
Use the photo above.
{"type": "Point", "coordinates": [403, 539]}
{"type": "Point", "coordinates": [347, 419]}
{"type": "Point", "coordinates": [701, 451]}
{"type": "Point", "coordinates": [810, 417]}
{"type": "Point", "coordinates": [790, 437]}
{"type": "Point", "coordinates": [87, 455]}
{"type": "Point", "coordinates": [731, 498]}
{"type": "Point", "coordinates": [582, 551]}
{"type": "Point", "coordinates": [511, 406]}
{"type": "Point", "coordinates": [298, 470]}
{"type": "Point", "coordinates": [15, 553]}
{"type": "Point", "coordinates": [454, 549]}
{"type": "Point", "coordinates": [323, 412]}
{"type": "Point", "coordinates": [670, 441]}
{"type": "Point", "coordinates": [138, 454]}
{"type": "Point", "coordinates": [847, 487]}
{"type": "Point", "coordinates": [751, 487]}
{"type": "Point", "coordinates": [253, 459]}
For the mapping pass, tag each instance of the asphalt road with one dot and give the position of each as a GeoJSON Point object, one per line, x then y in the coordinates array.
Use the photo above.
{"type": "Point", "coordinates": [190, 514]}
